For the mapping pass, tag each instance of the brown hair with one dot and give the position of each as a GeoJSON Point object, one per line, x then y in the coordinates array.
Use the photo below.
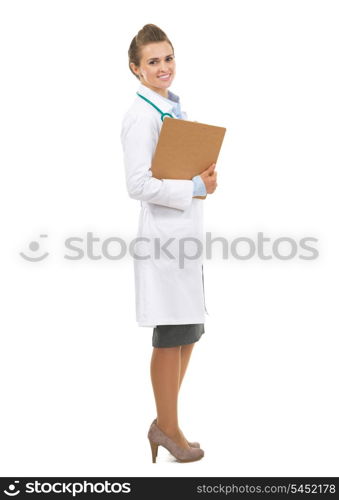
{"type": "Point", "coordinates": [150, 33]}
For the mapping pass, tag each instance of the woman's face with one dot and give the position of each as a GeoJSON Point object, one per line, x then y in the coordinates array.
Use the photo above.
{"type": "Point", "coordinates": [157, 67]}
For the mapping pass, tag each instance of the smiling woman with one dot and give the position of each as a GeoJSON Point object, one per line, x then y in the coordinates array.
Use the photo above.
{"type": "Point", "coordinates": [152, 60]}
{"type": "Point", "coordinates": [168, 297]}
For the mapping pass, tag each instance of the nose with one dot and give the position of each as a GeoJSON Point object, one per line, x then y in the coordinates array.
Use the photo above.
{"type": "Point", "coordinates": [164, 67]}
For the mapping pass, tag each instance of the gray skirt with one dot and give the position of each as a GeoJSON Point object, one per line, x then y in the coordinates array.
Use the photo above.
{"type": "Point", "coordinates": [174, 335]}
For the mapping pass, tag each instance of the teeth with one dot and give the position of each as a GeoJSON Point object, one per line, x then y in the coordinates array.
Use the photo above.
{"type": "Point", "coordinates": [164, 76]}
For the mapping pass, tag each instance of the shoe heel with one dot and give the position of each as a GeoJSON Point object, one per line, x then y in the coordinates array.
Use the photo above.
{"type": "Point", "coordinates": [154, 448]}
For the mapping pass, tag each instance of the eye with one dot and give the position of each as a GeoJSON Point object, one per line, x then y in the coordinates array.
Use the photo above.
{"type": "Point", "coordinates": [169, 58]}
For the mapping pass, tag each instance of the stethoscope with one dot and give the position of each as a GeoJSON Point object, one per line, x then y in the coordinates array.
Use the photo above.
{"type": "Point", "coordinates": [156, 107]}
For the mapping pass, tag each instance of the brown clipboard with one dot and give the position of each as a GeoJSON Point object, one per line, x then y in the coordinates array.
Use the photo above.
{"type": "Point", "coordinates": [186, 149]}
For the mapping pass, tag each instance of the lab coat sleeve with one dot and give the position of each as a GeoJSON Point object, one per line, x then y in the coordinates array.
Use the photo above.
{"type": "Point", "coordinates": [139, 138]}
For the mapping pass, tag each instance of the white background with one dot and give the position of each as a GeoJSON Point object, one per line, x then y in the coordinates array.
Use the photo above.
{"type": "Point", "coordinates": [261, 390]}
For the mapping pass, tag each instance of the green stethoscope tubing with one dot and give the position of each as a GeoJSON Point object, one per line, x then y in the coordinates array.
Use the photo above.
{"type": "Point", "coordinates": [156, 107]}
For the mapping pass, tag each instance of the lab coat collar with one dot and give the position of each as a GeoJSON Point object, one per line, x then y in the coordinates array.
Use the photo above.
{"type": "Point", "coordinates": [166, 105]}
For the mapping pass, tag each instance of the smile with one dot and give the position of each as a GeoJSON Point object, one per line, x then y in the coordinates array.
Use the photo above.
{"type": "Point", "coordinates": [165, 77]}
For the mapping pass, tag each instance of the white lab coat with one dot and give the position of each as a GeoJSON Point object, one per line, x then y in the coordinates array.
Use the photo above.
{"type": "Point", "coordinates": [168, 291]}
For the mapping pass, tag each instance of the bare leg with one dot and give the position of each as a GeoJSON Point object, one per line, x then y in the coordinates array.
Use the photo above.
{"type": "Point", "coordinates": [185, 352]}
{"type": "Point", "coordinates": [165, 375]}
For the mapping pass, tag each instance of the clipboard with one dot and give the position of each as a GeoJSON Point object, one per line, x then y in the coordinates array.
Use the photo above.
{"type": "Point", "coordinates": [186, 149]}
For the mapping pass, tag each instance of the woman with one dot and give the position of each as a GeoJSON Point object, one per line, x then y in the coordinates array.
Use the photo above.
{"type": "Point", "coordinates": [169, 295]}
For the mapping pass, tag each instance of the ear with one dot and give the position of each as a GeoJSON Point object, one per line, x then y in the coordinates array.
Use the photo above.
{"type": "Point", "coordinates": [134, 68]}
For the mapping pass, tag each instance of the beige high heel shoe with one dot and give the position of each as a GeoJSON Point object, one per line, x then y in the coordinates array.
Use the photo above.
{"type": "Point", "coordinates": [158, 438]}
{"type": "Point", "coordinates": [193, 444]}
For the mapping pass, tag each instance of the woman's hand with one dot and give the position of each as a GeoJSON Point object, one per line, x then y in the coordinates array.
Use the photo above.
{"type": "Point", "coordinates": [209, 176]}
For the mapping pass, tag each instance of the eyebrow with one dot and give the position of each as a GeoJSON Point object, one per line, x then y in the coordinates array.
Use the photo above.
{"type": "Point", "coordinates": [156, 58]}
